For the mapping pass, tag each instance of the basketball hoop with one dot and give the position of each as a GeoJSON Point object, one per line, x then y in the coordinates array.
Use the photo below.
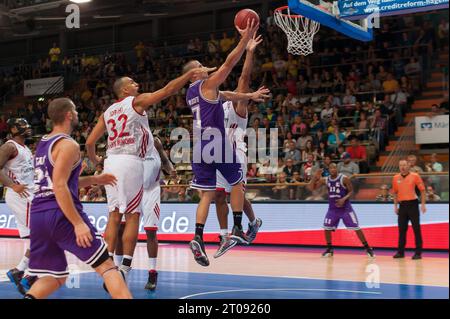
{"type": "Point", "coordinates": [299, 30]}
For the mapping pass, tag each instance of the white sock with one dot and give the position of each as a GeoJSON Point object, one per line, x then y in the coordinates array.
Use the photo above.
{"type": "Point", "coordinates": [152, 263]}
{"type": "Point", "coordinates": [23, 265]}
{"type": "Point", "coordinates": [223, 232]}
{"type": "Point", "coordinates": [118, 260]}
{"type": "Point", "coordinates": [253, 223]}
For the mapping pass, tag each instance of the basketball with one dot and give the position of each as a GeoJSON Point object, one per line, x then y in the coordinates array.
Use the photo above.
{"type": "Point", "coordinates": [241, 18]}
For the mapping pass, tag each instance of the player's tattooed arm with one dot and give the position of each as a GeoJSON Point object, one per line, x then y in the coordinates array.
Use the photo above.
{"type": "Point", "coordinates": [209, 87]}
{"type": "Point", "coordinates": [166, 164]}
{"type": "Point", "coordinates": [244, 79]}
{"type": "Point", "coordinates": [257, 96]}
{"type": "Point", "coordinates": [143, 101]}
{"type": "Point", "coordinates": [7, 151]}
{"type": "Point", "coordinates": [316, 181]}
{"type": "Point", "coordinates": [98, 131]}
{"type": "Point", "coordinates": [348, 184]}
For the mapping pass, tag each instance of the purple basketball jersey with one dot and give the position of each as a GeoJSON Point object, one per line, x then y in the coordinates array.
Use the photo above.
{"type": "Point", "coordinates": [337, 190]}
{"type": "Point", "coordinates": [207, 113]}
{"type": "Point", "coordinates": [44, 197]}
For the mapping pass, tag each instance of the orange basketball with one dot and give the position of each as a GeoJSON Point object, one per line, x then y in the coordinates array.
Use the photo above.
{"type": "Point", "coordinates": [241, 18]}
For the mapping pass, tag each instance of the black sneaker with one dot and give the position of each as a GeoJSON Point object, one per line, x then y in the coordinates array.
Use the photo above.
{"type": "Point", "coordinates": [25, 284]}
{"type": "Point", "coordinates": [15, 275]}
{"type": "Point", "coordinates": [152, 280]}
{"type": "Point", "coordinates": [198, 249]}
{"type": "Point", "coordinates": [253, 230]}
{"type": "Point", "coordinates": [370, 252]}
{"type": "Point", "coordinates": [328, 253]}
{"type": "Point", "coordinates": [124, 278]}
{"type": "Point", "coordinates": [238, 235]}
{"type": "Point", "coordinates": [417, 256]}
{"type": "Point", "coordinates": [399, 255]}
{"type": "Point", "coordinates": [226, 243]}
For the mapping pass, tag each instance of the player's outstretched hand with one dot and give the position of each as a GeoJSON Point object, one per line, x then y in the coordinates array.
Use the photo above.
{"type": "Point", "coordinates": [249, 31]}
{"type": "Point", "coordinates": [21, 189]}
{"type": "Point", "coordinates": [106, 179]}
{"type": "Point", "coordinates": [83, 235]}
{"type": "Point", "coordinates": [253, 43]}
{"type": "Point", "coordinates": [261, 94]}
{"type": "Point", "coordinates": [197, 72]}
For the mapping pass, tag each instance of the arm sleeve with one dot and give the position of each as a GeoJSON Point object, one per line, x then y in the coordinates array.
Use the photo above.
{"type": "Point", "coordinates": [394, 185]}
{"type": "Point", "coordinates": [419, 183]}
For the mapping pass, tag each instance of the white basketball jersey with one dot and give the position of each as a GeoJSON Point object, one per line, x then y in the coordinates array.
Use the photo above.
{"type": "Point", "coordinates": [235, 126]}
{"type": "Point", "coordinates": [20, 168]}
{"type": "Point", "coordinates": [128, 131]}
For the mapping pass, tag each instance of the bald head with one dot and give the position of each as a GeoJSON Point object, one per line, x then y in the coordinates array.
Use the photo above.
{"type": "Point", "coordinates": [58, 109]}
{"type": "Point", "coordinates": [119, 84]}
{"type": "Point", "coordinates": [191, 65]}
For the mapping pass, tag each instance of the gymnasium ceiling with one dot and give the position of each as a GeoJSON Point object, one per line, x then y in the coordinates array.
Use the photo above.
{"type": "Point", "coordinates": [24, 18]}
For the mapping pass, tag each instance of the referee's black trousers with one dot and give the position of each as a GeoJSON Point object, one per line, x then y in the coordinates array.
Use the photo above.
{"type": "Point", "coordinates": [409, 211]}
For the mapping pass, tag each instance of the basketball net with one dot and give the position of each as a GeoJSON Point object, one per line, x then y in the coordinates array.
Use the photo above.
{"type": "Point", "coordinates": [299, 30]}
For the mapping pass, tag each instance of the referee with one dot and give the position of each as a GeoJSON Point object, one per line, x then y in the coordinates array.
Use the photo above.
{"type": "Point", "coordinates": [404, 187]}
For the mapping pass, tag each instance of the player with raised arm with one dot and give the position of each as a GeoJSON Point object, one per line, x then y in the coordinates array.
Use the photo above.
{"type": "Point", "coordinates": [17, 175]}
{"type": "Point", "coordinates": [58, 223]}
{"type": "Point", "coordinates": [236, 119]}
{"type": "Point", "coordinates": [340, 190]}
{"type": "Point", "coordinates": [205, 100]}
{"type": "Point", "coordinates": [129, 139]}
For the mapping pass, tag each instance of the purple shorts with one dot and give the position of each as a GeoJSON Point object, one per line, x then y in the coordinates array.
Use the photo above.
{"type": "Point", "coordinates": [51, 235]}
{"type": "Point", "coordinates": [205, 169]}
{"type": "Point", "coordinates": [333, 217]}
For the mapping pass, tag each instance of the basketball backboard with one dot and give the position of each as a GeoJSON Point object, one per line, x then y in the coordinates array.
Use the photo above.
{"type": "Point", "coordinates": [327, 14]}
{"type": "Point", "coordinates": [355, 18]}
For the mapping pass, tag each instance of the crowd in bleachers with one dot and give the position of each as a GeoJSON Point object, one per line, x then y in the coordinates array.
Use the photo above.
{"type": "Point", "coordinates": [340, 104]}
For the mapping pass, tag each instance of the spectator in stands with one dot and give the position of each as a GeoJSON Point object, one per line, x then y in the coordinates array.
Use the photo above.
{"type": "Point", "coordinates": [293, 154]}
{"type": "Point", "coordinates": [327, 113]}
{"type": "Point", "coordinates": [335, 139]}
{"type": "Point", "coordinates": [433, 165]}
{"type": "Point", "coordinates": [347, 167]}
{"type": "Point", "coordinates": [413, 67]}
{"type": "Point", "coordinates": [435, 110]}
{"type": "Point", "coordinates": [349, 98]}
{"type": "Point", "coordinates": [385, 195]}
{"type": "Point", "coordinates": [390, 85]}
{"type": "Point", "coordinates": [281, 191]}
{"type": "Point", "coordinates": [412, 161]}
{"type": "Point", "coordinates": [287, 142]}
{"type": "Point", "coordinates": [307, 168]}
{"type": "Point", "coordinates": [431, 195]}
{"type": "Point", "coordinates": [213, 45]}
{"type": "Point", "coordinates": [225, 43]}
{"type": "Point", "coordinates": [289, 169]}
{"type": "Point", "coordinates": [358, 153]}
{"type": "Point", "coordinates": [379, 124]}
{"type": "Point", "coordinates": [139, 49]}
{"type": "Point", "coordinates": [83, 195]}
{"type": "Point", "coordinates": [302, 140]}
{"type": "Point", "coordinates": [363, 127]}
{"type": "Point", "coordinates": [54, 54]}
{"type": "Point", "coordinates": [98, 169]}
{"type": "Point", "coordinates": [308, 149]}
{"type": "Point", "coordinates": [325, 165]}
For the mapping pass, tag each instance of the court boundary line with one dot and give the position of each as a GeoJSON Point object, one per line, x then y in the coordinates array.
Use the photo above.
{"type": "Point", "coordinates": [280, 289]}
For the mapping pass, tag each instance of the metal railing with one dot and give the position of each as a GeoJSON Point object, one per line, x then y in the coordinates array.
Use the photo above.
{"type": "Point", "coordinates": [404, 146]}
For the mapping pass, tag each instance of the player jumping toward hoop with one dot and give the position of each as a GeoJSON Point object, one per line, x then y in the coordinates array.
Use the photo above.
{"type": "Point", "coordinates": [205, 101]}
{"type": "Point", "coordinates": [129, 139]}
{"type": "Point", "coordinates": [236, 119]}
{"type": "Point", "coordinates": [340, 190]}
